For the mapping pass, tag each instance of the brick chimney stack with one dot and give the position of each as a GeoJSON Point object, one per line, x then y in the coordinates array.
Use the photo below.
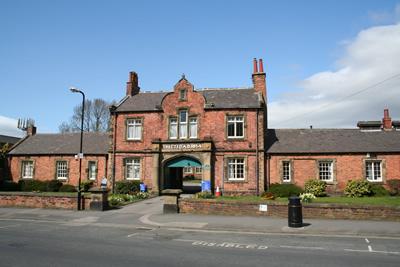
{"type": "Point", "coordinates": [258, 77]}
{"type": "Point", "coordinates": [132, 86]}
{"type": "Point", "coordinates": [386, 121]}
{"type": "Point", "coordinates": [31, 130]}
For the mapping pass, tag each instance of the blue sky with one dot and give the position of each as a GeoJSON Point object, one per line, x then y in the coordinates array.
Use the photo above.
{"type": "Point", "coordinates": [48, 46]}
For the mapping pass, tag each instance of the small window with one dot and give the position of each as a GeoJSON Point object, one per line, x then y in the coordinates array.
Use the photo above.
{"type": "Point", "coordinates": [134, 129]}
{"type": "Point", "coordinates": [61, 170]}
{"type": "Point", "coordinates": [373, 171]}
{"type": "Point", "coordinates": [235, 126]}
{"type": "Point", "coordinates": [193, 127]}
{"type": "Point", "coordinates": [286, 171]}
{"type": "Point", "coordinates": [182, 94]}
{"type": "Point", "coordinates": [187, 170]}
{"type": "Point", "coordinates": [236, 170]}
{"type": "Point", "coordinates": [326, 171]}
{"type": "Point", "coordinates": [173, 128]}
{"type": "Point", "coordinates": [132, 169]}
{"type": "Point", "coordinates": [92, 168]}
{"type": "Point", "coordinates": [183, 124]}
{"type": "Point", "coordinates": [27, 169]}
{"type": "Point", "coordinates": [199, 170]}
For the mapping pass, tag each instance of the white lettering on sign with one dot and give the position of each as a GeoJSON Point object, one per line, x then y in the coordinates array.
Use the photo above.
{"type": "Point", "coordinates": [228, 245]}
{"type": "Point", "coordinates": [181, 146]}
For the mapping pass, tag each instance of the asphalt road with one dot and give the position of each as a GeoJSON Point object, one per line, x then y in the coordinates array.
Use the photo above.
{"type": "Point", "coordinates": [34, 242]}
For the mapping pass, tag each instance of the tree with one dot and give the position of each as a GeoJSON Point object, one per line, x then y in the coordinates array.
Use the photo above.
{"type": "Point", "coordinates": [97, 116]}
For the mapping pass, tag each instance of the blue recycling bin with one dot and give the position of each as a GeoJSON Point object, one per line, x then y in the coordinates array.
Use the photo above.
{"type": "Point", "coordinates": [143, 187]}
{"type": "Point", "coordinates": [205, 186]}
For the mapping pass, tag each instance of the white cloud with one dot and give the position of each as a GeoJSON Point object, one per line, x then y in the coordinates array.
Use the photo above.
{"type": "Point", "coordinates": [8, 126]}
{"type": "Point", "coordinates": [373, 56]}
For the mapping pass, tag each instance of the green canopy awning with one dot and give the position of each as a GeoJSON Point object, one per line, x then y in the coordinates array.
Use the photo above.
{"type": "Point", "coordinates": [183, 162]}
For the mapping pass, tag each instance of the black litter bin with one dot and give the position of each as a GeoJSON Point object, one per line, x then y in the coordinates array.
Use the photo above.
{"type": "Point", "coordinates": [295, 216]}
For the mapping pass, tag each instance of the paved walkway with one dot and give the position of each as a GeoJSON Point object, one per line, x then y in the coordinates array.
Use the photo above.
{"type": "Point", "coordinates": [148, 213]}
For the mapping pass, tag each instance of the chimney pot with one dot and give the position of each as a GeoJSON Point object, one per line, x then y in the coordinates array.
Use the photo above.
{"type": "Point", "coordinates": [261, 68]}
{"type": "Point", "coordinates": [255, 68]}
{"type": "Point", "coordinates": [132, 86]}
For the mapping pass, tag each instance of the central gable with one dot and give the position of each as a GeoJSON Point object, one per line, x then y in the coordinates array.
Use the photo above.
{"type": "Point", "coordinates": [183, 97]}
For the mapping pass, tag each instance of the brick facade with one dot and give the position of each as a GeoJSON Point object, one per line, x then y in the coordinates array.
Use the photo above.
{"type": "Point", "coordinates": [45, 167]}
{"type": "Point", "coordinates": [345, 167]}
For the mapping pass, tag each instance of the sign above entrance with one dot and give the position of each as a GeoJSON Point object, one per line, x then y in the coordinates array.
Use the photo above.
{"type": "Point", "coordinates": [185, 147]}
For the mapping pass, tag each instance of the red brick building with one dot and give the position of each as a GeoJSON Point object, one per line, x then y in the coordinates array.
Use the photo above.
{"type": "Point", "coordinates": [218, 136]}
{"type": "Point", "coordinates": [371, 152]}
{"type": "Point", "coordinates": [218, 132]}
{"type": "Point", "coordinates": [52, 156]}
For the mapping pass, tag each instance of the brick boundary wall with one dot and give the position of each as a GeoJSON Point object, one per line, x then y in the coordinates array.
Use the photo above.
{"type": "Point", "coordinates": [35, 200]}
{"type": "Point", "coordinates": [310, 211]}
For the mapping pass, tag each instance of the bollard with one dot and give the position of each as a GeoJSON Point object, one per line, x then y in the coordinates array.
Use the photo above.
{"type": "Point", "coordinates": [295, 216]}
{"type": "Point", "coordinates": [99, 199]}
{"type": "Point", "coordinates": [171, 198]}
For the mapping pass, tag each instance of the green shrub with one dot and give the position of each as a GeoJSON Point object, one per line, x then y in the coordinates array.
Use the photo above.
{"type": "Point", "coordinates": [378, 191]}
{"type": "Point", "coordinates": [284, 190]}
{"type": "Point", "coordinates": [86, 185]}
{"type": "Point", "coordinates": [115, 200]}
{"type": "Point", "coordinates": [394, 187]}
{"type": "Point", "coordinates": [127, 187]}
{"type": "Point", "coordinates": [67, 188]}
{"type": "Point", "coordinates": [315, 187]}
{"type": "Point", "coordinates": [9, 186]}
{"type": "Point", "coordinates": [357, 188]}
{"type": "Point", "coordinates": [53, 186]}
{"type": "Point", "coordinates": [32, 185]}
{"type": "Point", "coordinates": [204, 195]}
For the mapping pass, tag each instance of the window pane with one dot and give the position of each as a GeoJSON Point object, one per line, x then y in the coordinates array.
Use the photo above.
{"type": "Point", "coordinates": [239, 129]}
{"type": "Point", "coordinates": [325, 171]}
{"type": "Point", "coordinates": [92, 170]}
{"type": "Point", "coordinates": [132, 169]}
{"type": "Point", "coordinates": [286, 171]}
{"type": "Point", "coordinates": [236, 169]}
{"type": "Point", "coordinates": [62, 170]}
{"type": "Point", "coordinates": [173, 128]}
{"type": "Point", "coordinates": [193, 128]}
{"type": "Point", "coordinates": [183, 116]}
{"type": "Point", "coordinates": [231, 129]}
{"type": "Point", "coordinates": [183, 130]}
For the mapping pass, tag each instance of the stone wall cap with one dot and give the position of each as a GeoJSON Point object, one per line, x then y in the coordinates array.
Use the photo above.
{"type": "Point", "coordinates": [171, 192]}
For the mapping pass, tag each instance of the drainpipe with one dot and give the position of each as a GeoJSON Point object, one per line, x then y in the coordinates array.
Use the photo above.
{"type": "Point", "coordinates": [114, 147]}
{"type": "Point", "coordinates": [257, 161]}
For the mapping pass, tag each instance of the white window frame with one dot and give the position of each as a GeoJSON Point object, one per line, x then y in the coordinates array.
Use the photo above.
{"type": "Point", "coordinates": [199, 170]}
{"type": "Point", "coordinates": [183, 124]}
{"type": "Point", "coordinates": [376, 167]}
{"type": "Point", "coordinates": [61, 168]}
{"type": "Point", "coordinates": [235, 120]}
{"type": "Point", "coordinates": [91, 172]}
{"type": "Point", "coordinates": [325, 170]}
{"type": "Point", "coordinates": [133, 163]}
{"type": "Point", "coordinates": [173, 122]}
{"type": "Point", "coordinates": [187, 170]}
{"type": "Point", "coordinates": [233, 166]}
{"type": "Point", "coordinates": [193, 131]}
{"type": "Point", "coordinates": [183, 94]}
{"type": "Point", "coordinates": [286, 171]}
{"type": "Point", "coordinates": [131, 125]}
{"type": "Point", "coordinates": [27, 173]}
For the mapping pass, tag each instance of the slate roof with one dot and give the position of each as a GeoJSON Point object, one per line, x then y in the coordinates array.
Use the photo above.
{"type": "Point", "coordinates": [62, 144]}
{"type": "Point", "coordinates": [221, 98]}
{"type": "Point", "coordinates": [5, 139]}
{"type": "Point", "coordinates": [286, 141]}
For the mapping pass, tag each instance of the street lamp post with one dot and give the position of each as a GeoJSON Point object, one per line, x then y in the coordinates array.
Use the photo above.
{"type": "Point", "coordinates": [80, 156]}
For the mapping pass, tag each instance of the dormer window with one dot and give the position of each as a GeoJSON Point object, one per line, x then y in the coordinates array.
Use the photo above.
{"type": "Point", "coordinates": [183, 94]}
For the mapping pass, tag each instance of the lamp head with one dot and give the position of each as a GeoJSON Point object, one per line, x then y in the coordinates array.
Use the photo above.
{"type": "Point", "coordinates": [74, 90]}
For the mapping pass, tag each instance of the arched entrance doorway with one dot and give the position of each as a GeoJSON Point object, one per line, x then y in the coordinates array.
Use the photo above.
{"type": "Point", "coordinates": [177, 174]}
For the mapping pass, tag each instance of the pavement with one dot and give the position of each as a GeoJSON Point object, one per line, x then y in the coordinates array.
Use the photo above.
{"type": "Point", "coordinates": [148, 214]}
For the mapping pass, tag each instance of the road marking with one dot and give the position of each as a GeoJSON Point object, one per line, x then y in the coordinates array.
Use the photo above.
{"type": "Point", "coordinates": [301, 247]}
{"type": "Point", "coordinates": [366, 240]}
{"type": "Point", "coordinates": [274, 233]}
{"type": "Point", "coordinates": [373, 251]}
{"type": "Point", "coordinates": [370, 248]}
{"type": "Point", "coordinates": [132, 234]}
{"type": "Point", "coordinates": [223, 244]}
{"type": "Point", "coordinates": [7, 226]}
